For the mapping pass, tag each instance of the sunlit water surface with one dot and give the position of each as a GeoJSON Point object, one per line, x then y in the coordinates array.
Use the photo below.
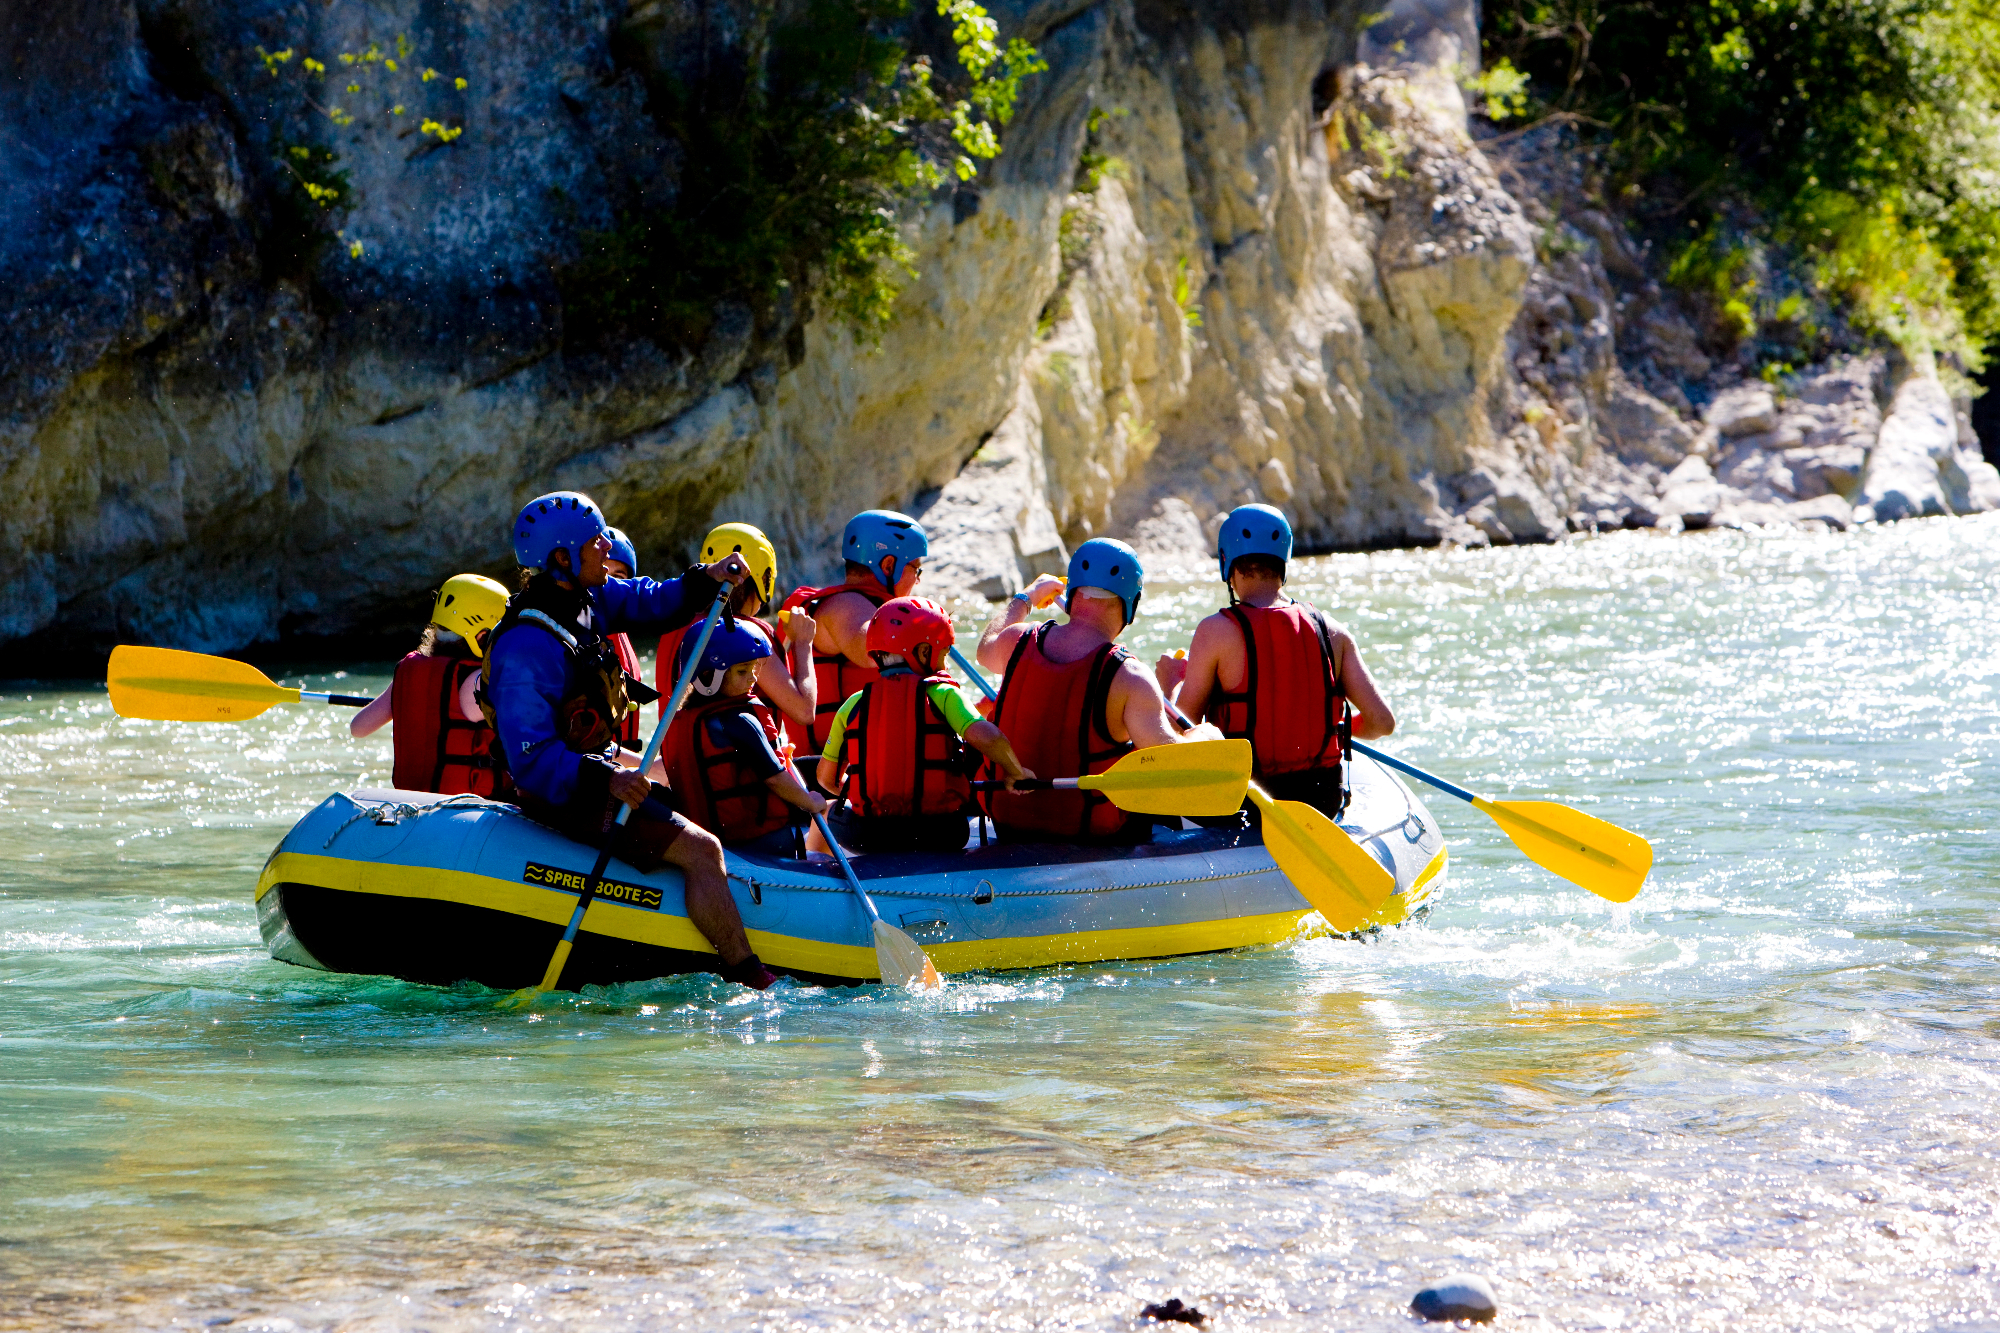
{"type": "Point", "coordinates": [1765, 1094]}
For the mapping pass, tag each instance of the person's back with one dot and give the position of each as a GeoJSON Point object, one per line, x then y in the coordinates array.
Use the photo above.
{"type": "Point", "coordinates": [1277, 672]}
{"type": "Point", "coordinates": [1056, 697]}
{"type": "Point", "coordinates": [441, 739]}
{"type": "Point", "coordinates": [1071, 699]}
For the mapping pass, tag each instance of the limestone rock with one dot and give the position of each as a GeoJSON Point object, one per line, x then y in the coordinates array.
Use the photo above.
{"type": "Point", "coordinates": [1691, 493]}
{"type": "Point", "coordinates": [1744, 409]}
{"type": "Point", "coordinates": [1913, 469]}
{"type": "Point", "coordinates": [1641, 425]}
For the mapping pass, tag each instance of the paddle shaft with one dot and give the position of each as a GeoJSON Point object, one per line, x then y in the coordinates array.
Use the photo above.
{"type": "Point", "coordinates": [977, 677]}
{"type": "Point", "coordinates": [591, 885]}
{"type": "Point", "coordinates": [340, 700]}
{"type": "Point", "coordinates": [1031, 784]}
{"type": "Point", "coordinates": [1461, 793]}
{"type": "Point", "coordinates": [853, 880]}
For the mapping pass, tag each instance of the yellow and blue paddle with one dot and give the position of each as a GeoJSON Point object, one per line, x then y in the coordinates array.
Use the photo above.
{"type": "Point", "coordinates": [1330, 870]}
{"type": "Point", "coordinates": [681, 687]}
{"type": "Point", "coordinates": [1589, 852]}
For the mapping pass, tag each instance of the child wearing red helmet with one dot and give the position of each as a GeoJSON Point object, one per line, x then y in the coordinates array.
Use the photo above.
{"type": "Point", "coordinates": [897, 750]}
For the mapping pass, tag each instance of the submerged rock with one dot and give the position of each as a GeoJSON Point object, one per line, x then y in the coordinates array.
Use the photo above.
{"type": "Point", "coordinates": [1174, 1312]}
{"type": "Point", "coordinates": [1461, 1296]}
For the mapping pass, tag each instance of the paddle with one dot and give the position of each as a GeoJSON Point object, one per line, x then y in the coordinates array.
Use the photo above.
{"type": "Point", "coordinates": [591, 885]}
{"type": "Point", "coordinates": [1330, 870]}
{"type": "Point", "coordinates": [1589, 852]}
{"type": "Point", "coordinates": [1192, 778]}
{"type": "Point", "coordinates": [902, 960]}
{"type": "Point", "coordinates": [168, 685]}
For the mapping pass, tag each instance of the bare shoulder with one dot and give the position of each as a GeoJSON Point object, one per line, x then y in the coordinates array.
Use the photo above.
{"type": "Point", "coordinates": [1131, 675]}
{"type": "Point", "coordinates": [1216, 628]}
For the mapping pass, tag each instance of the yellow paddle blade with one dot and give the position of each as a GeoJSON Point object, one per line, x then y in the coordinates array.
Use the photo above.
{"type": "Point", "coordinates": [1329, 869]}
{"type": "Point", "coordinates": [1587, 851]}
{"type": "Point", "coordinates": [168, 685]}
{"type": "Point", "coordinates": [1193, 778]}
{"type": "Point", "coordinates": [902, 960]}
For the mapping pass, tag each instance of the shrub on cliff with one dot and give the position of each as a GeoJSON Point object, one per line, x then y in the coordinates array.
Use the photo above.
{"type": "Point", "coordinates": [798, 151]}
{"type": "Point", "coordinates": [1860, 136]}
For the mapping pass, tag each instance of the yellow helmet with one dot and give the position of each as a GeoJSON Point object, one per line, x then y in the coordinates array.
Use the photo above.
{"type": "Point", "coordinates": [468, 605]}
{"type": "Point", "coordinates": [756, 550]}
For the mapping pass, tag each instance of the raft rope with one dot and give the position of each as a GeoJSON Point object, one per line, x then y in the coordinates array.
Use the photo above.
{"type": "Point", "coordinates": [387, 814]}
{"type": "Point", "coordinates": [757, 885]}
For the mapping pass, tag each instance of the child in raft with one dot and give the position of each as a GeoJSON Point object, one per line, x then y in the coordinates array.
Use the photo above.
{"type": "Point", "coordinates": [726, 757]}
{"type": "Point", "coordinates": [899, 744]}
{"type": "Point", "coordinates": [442, 740]}
{"type": "Point", "coordinates": [786, 682]}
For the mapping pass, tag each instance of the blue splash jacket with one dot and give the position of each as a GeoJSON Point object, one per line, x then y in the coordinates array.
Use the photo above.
{"type": "Point", "coordinates": [529, 674]}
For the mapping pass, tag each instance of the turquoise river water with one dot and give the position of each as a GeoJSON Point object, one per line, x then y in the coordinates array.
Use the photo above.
{"type": "Point", "coordinates": [1766, 1094]}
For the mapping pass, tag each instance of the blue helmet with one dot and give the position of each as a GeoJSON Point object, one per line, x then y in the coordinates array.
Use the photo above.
{"type": "Point", "coordinates": [874, 533]}
{"type": "Point", "coordinates": [558, 521]}
{"type": "Point", "coordinates": [622, 550]}
{"type": "Point", "coordinates": [733, 641]}
{"type": "Point", "coordinates": [1252, 530]}
{"type": "Point", "coordinates": [1111, 565]}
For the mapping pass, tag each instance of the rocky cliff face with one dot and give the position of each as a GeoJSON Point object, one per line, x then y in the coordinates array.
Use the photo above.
{"type": "Point", "coordinates": [1231, 251]}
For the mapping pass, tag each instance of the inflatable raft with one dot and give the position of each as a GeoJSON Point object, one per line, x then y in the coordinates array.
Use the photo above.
{"type": "Point", "coordinates": [441, 889]}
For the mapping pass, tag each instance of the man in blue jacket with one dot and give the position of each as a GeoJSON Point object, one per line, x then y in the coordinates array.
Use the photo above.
{"type": "Point", "coordinates": [557, 696]}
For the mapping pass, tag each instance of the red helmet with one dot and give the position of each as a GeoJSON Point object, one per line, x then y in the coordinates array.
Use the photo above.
{"type": "Point", "coordinates": [905, 624]}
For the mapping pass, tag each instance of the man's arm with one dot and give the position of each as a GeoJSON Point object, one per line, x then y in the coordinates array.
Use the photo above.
{"type": "Point", "coordinates": [1213, 639]}
{"type": "Point", "coordinates": [1372, 717]}
{"type": "Point", "coordinates": [1135, 698]}
{"type": "Point", "coordinates": [656, 606]}
{"type": "Point", "coordinates": [996, 643]}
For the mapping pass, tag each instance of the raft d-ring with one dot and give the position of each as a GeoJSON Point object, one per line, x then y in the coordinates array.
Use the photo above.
{"type": "Point", "coordinates": [1408, 820]}
{"type": "Point", "coordinates": [982, 892]}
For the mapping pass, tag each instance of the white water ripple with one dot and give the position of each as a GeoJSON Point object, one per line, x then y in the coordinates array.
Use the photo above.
{"type": "Point", "coordinates": [1764, 1094]}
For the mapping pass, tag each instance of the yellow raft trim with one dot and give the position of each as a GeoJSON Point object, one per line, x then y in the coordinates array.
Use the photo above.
{"type": "Point", "coordinates": [1397, 909]}
{"type": "Point", "coordinates": [644, 926]}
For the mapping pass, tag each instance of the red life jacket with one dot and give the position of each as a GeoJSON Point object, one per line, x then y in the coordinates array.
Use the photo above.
{"type": "Point", "coordinates": [664, 678]}
{"type": "Point", "coordinates": [908, 759]}
{"type": "Point", "coordinates": [1291, 708]}
{"type": "Point", "coordinates": [713, 785]}
{"type": "Point", "coordinates": [436, 749]}
{"type": "Point", "coordinates": [1054, 713]}
{"type": "Point", "coordinates": [836, 677]}
{"type": "Point", "coordinates": [627, 732]}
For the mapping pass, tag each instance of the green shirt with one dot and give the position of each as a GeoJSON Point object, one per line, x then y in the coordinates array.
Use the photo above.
{"type": "Point", "coordinates": [950, 704]}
